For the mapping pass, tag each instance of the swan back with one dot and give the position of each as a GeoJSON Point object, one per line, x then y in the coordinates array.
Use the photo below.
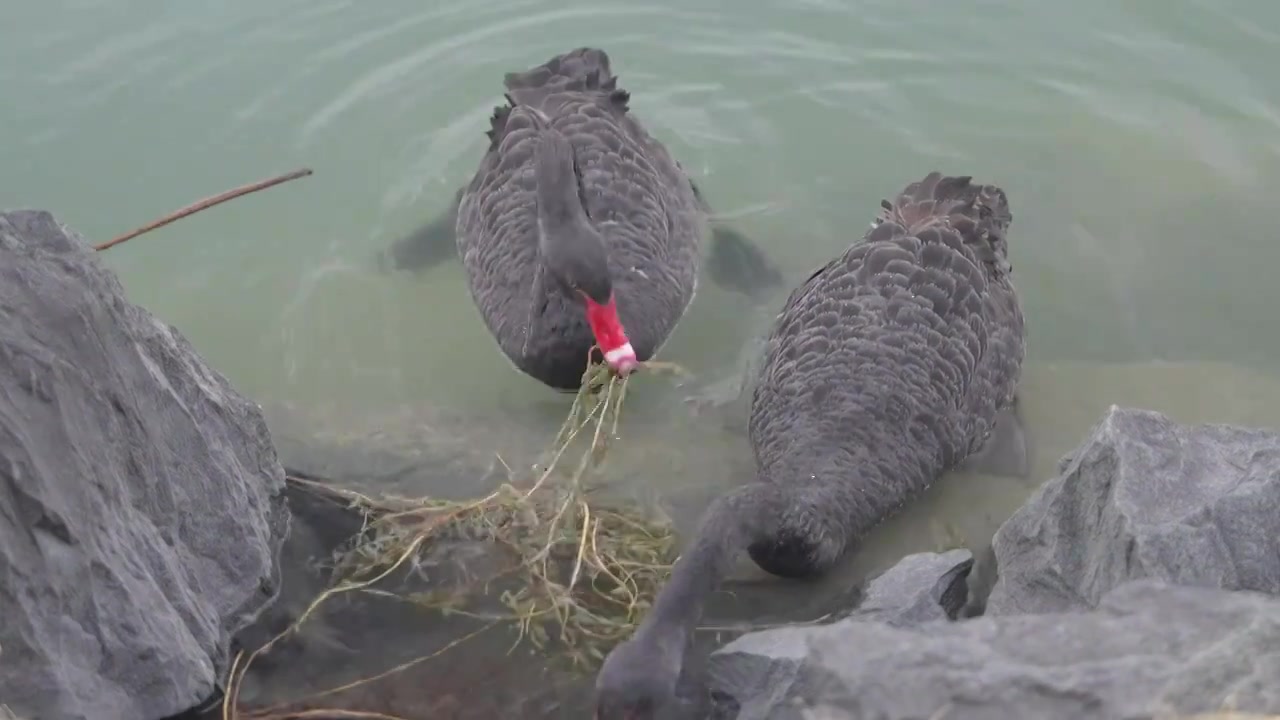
{"type": "Point", "coordinates": [891, 362]}
{"type": "Point", "coordinates": [634, 193]}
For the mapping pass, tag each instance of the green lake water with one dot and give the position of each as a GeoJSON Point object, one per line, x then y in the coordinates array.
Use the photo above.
{"type": "Point", "coordinates": [1138, 142]}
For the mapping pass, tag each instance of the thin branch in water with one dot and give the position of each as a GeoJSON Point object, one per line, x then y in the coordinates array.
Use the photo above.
{"type": "Point", "coordinates": [275, 710]}
{"type": "Point", "coordinates": [232, 697]}
{"type": "Point", "coordinates": [333, 714]}
{"type": "Point", "coordinates": [204, 204]}
{"type": "Point", "coordinates": [611, 560]}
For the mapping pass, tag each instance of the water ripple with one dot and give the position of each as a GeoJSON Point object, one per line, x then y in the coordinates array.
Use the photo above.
{"type": "Point", "coordinates": [444, 147]}
{"type": "Point", "coordinates": [1153, 126]}
{"type": "Point", "coordinates": [121, 50]}
{"type": "Point", "coordinates": [384, 78]}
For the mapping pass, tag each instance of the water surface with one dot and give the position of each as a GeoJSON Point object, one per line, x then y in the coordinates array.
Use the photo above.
{"type": "Point", "coordinates": [1139, 144]}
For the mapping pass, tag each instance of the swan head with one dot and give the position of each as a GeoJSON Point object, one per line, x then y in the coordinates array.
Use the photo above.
{"type": "Point", "coordinates": [573, 250]}
{"type": "Point", "coordinates": [575, 254]}
{"type": "Point", "coordinates": [638, 682]}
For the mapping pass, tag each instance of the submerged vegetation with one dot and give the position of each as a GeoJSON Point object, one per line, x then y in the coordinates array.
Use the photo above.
{"type": "Point", "coordinates": [580, 570]}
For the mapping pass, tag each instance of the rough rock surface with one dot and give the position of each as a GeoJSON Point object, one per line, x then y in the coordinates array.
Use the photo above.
{"type": "Point", "coordinates": [142, 505]}
{"type": "Point", "coordinates": [1144, 496]}
{"type": "Point", "coordinates": [1149, 650]}
{"type": "Point", "coordinates": [757, 671]}
{"type": "Point", "coordinates": [919, 588]}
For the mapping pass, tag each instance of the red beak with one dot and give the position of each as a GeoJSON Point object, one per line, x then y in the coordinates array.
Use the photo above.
{"type": "Point", "coordinates": [611, 336]}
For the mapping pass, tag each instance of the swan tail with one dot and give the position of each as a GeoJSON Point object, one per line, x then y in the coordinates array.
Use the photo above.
{"type": "Point", "coordinates": [978, 213]}
{"type": "Point", "coordinates": [583, 70]}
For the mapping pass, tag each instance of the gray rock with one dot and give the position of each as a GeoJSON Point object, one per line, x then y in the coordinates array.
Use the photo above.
{"type": "Point", "coordinates": [1145, 497]}
{"type": "Point", "coordinates": [141, 502]}
{"type": "Point", "coordinates": [1151, 649]}
{"type": "Point", "coordinates": [919, 588]}
{"type": "Point", "coordinates": [759, 670]}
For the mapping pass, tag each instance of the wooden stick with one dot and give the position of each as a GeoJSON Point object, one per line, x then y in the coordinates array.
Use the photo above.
{"type": "Point", "coordinates": [203, 204]}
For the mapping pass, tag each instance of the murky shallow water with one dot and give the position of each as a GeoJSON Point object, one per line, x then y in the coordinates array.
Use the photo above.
{"type": "Point", "coordinates": [1138, 144]}
{"type": "Point", "coordinates": [427, 452]}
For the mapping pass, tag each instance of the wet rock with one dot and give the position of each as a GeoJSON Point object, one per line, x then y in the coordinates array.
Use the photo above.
{"type": "Point", "coordinates": [920, 588]}
{"type": "Point", "coordinates": [759, 671]}
{"type": "Point", "coordinates": [1151, 649]}
{"type": "Point", "coordinates": [141, 501]}
{"type": "Point", "coordinates": [1144, 496]}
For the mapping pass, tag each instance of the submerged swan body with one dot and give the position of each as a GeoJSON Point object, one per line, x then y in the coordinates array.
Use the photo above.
{"type": "Point", "coordinates": [893, 363]}
{"type": "Point", "coordinates": [579, 228]}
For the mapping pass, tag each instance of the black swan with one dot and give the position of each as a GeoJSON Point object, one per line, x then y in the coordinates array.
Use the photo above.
{"type": "Point", "coordinates": [893, 363]}
{"type": "Point", "coordinates": [579, 228]}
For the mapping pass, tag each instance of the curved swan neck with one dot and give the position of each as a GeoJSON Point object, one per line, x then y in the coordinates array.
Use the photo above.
{"type": "Point", "coordinates": [726, 528]}
{"type": "Point", "coordinates": [556, 183]}
{"type": "Point", "coordinates": [570, 245]}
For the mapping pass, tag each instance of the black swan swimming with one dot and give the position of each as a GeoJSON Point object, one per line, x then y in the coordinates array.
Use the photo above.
{"type": "Point", "coordinates": [579, 228]}
{"type": "Point", "coordinates": [893, 363]}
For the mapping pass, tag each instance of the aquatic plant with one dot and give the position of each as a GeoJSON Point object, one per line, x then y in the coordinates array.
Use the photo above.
{"type": "Point", "coordinates": [584, 569]}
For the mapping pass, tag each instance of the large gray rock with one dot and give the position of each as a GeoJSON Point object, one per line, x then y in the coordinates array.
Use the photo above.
{"type": "Point", "coordinates": [757, 671]}
{"type": "Point", "coordinates": [1145, 497]}
{"type": "Point", "coordinates": [141, 502]}
{"type": "Point", "coordinates": [1149, 650]}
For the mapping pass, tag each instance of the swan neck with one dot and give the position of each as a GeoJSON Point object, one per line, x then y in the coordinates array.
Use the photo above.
{"type": "Point", "coordinates": [725, 530]}
{"type": "Point", "coordinates": [557, 184]}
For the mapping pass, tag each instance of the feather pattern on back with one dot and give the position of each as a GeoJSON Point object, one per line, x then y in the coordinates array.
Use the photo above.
{"type": "Point", "coordinates": [888, 366]}
{"type": "Point", "coordinates": [634, 192]}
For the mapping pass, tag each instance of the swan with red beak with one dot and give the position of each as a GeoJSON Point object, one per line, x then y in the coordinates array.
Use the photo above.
{"type": "Point", "coordinates": [571, 247]}
{"type": "Point", "coordinates": [579, 229]}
